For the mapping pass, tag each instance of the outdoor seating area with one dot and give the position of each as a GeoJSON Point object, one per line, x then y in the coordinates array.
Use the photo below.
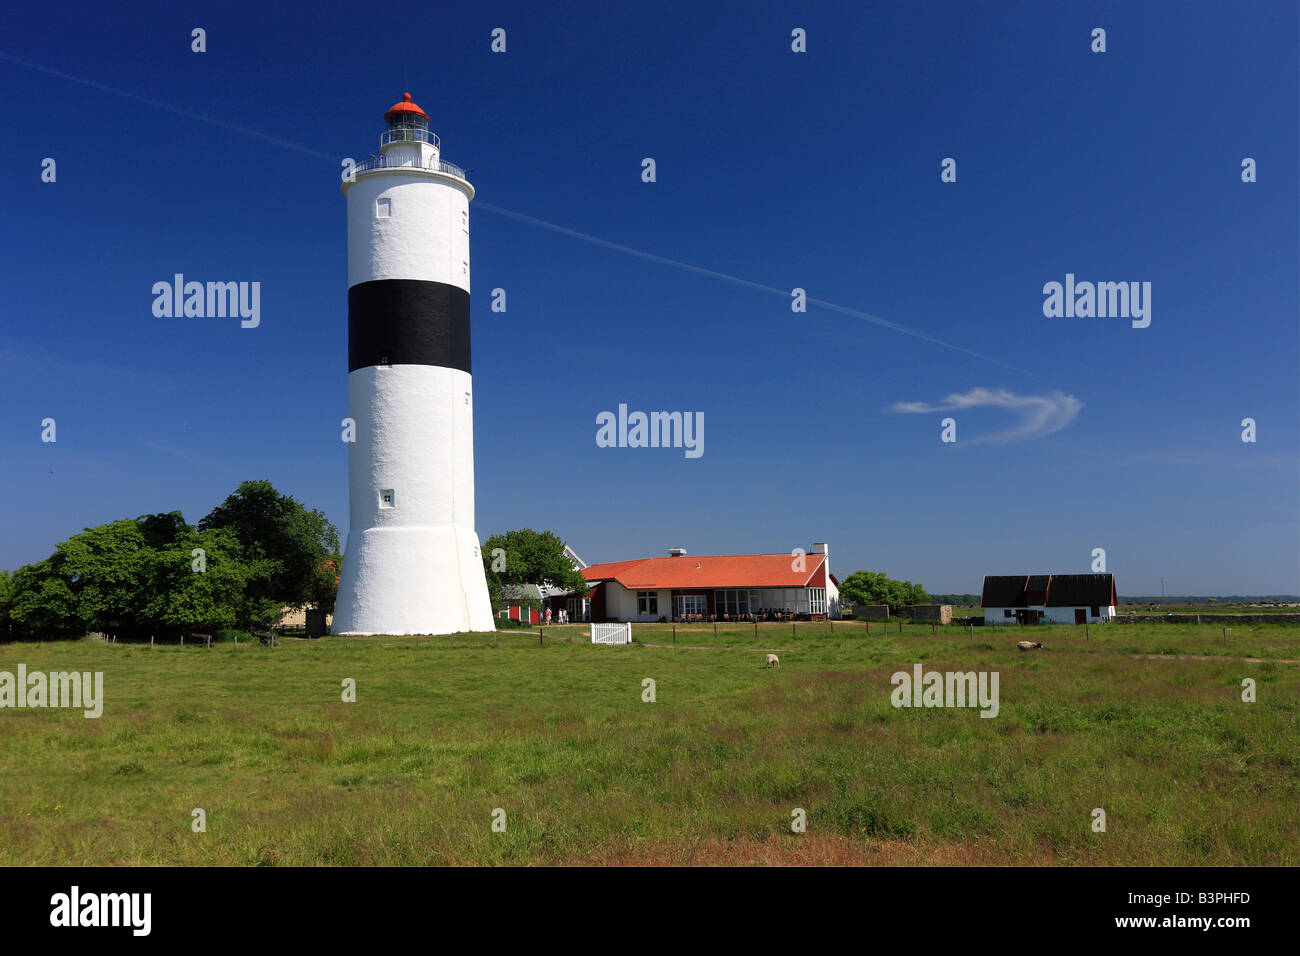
{"type": "Point", "coordinates": [760, 616]}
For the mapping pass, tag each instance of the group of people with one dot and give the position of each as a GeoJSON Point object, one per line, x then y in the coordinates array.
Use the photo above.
{"type": "Point", "coordinates": [562, 617]}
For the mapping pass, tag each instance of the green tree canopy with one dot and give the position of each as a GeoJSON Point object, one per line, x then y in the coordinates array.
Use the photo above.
{"type": "Point", "coordinates": [872, 587]}
{"type": "Point", "coordinates": [279, 529]}
{"type": "Point", "coordinates": [222, 594]}
{"type": "Point", "coordinates": [530, 557]}
{"type": "Point", "coordinates": [6, 603]}
{"type": "Point", "coordinates": [156, 575]}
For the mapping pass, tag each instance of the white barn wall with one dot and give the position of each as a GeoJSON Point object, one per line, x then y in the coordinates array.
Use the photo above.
{"type": "Point", "coordinates": [994, 616]}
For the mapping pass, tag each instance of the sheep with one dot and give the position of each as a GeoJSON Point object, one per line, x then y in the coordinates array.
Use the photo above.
{"type": "Point", "coordinates": [1029, 645]}
{"type": "Point", "coordinates": [773, 661]}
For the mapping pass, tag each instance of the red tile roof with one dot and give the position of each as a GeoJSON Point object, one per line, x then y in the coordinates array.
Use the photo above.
{"type": "Point", "coordinates": [708, 571]}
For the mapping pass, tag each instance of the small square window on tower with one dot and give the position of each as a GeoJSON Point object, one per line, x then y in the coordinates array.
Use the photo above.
{"type": "Point", "coordinates": [383, 208]}
{"type": "Point", "coordinates": [386, 498]}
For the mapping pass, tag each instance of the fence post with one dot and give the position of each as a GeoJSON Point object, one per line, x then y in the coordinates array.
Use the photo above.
{"type": "Point", "coordinates": [674, 632]}
{"type": "Point", "coordinates": [540, 641]}
{"type": "Point", "coordinates": [792, 627]}
{"type": "Point", "coordinates": [715, 628]}
{"type": "Point", "coordinates": [1087, 634]}
{"type": "Point", "coordinates": [1225, 638]}
{"type": "Point", "coordinates": [756, 630]}
{"type": "Point", "coordinates": [832, 626]}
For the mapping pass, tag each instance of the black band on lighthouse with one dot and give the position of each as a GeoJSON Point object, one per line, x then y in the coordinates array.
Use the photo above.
{"type": "Point", "coordinates": [408, 322]}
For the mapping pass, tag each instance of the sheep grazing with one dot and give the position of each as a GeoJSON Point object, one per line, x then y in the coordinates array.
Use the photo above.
{"type": "Point", "coordinates": [1029, 645]}
{"type": "Point", "coordinates": [773, 661]}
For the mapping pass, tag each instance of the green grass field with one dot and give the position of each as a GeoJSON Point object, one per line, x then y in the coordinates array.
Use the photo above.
{"type": "Point", "coordinates": [1133, 721]}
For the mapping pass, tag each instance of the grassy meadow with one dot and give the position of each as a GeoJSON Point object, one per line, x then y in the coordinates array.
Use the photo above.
{"type": "Point", "coordinates": [1145, 721]}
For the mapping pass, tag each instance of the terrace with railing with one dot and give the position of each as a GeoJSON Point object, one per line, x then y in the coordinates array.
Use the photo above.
{"type": "Point", "coordinates": [411, 162]}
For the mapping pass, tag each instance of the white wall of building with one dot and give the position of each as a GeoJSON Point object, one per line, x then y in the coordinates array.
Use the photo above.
{"type": "Point", "coordinates": [424, 236]}
{"type": "Point", "coordinates": [994, 616]}
{"type": "Point", "coordinates": [621, 604]}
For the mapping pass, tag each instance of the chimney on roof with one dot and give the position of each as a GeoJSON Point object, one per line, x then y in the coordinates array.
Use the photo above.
{"type": "Point", "coordinates": [676, 552]}
{"type": "Point", "coordinates": [820, 548]}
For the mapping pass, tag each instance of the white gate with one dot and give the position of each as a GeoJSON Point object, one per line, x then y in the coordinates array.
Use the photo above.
{"type": "Point", "coordinates": [611, 633]}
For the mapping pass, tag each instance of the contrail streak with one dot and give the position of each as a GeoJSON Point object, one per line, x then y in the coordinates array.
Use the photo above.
{"type": "Point", "coordinates": [521, 217]}
{"type": "Point", "coordinates": [711, 273]}
{"type": "Point", "coordinates": [179, 110]}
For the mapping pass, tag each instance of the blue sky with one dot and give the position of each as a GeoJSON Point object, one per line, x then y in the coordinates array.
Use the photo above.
{"type": "Point", "coordinates": [818, 170]}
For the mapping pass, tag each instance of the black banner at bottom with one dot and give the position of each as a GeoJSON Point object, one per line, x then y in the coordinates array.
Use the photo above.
{"type": "Point", "coordinates": [333, 906]}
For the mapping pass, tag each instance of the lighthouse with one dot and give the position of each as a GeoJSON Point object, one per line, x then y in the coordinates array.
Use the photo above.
{"type": "Point", "coordinates": [412, 564]}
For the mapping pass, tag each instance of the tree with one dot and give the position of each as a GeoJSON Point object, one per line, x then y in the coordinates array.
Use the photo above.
{"type": "Point", "coordinates": [109, 571]}
{"type": "Point", "coordinates": [872, 587]}
{"type": "Point", "coordinates": [6, 602]}
{"type": "Point", "coordinates": [43, 605]}
{"type": "Point", "coordinates": [217, 593]}
{"type": "Point", "coordinates": [531, 557]}
{"type": "Point", "coordinates": [278, 529]}
{"type": "Point", "coordinates": [157, 575]}
{"type": "Point", "coordinates": [325, 583]}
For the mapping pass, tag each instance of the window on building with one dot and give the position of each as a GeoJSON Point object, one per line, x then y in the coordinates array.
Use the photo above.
{"type": "Point", "coordinates": [816, 600]}
{"type": "Point", "coordinates": [731, 602]}
{"type": "Point", "coordinates": [647, 602]}
{"type": "Point", "coordinates": [1007, 612]}
{"type": "Point", "coordinates": [1096, 610]}
{"type": "Point", "coordinates": [579, 608]}
{"type": "Point", "coordinates": [386, 498]}
{"type": "Point", "coordinates": [383, 208]}
{"type": "Point", "coordinates": [691, 604]}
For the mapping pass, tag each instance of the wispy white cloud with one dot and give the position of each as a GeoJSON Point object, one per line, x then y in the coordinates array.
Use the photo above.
{"type": "Point", "coordinates": [1040, 415]}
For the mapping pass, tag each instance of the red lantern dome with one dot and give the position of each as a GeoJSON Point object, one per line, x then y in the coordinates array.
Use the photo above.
{"type": "Point", "coordinates": [405, 110]}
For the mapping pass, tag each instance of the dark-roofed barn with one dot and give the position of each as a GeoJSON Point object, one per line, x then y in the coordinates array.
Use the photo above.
{"type": "Point", "coordinates": [1054, 598]}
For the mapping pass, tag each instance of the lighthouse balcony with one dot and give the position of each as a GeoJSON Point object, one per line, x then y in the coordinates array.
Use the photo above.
{"type": "Point", "coordinates": [411, 162]}
{"type": "Point", "coordinates": [408, 134]}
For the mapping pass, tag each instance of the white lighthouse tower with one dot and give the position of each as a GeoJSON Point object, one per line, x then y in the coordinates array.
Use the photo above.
{"type": "Point", "coordinates": [412, 563]}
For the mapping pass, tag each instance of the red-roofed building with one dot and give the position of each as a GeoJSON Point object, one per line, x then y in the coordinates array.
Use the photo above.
{"type": "Point", "coordinates": [721, 586]}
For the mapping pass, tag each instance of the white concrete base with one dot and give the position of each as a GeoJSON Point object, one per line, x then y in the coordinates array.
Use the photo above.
{"type": "Point", "coordinates": [399, 580]}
